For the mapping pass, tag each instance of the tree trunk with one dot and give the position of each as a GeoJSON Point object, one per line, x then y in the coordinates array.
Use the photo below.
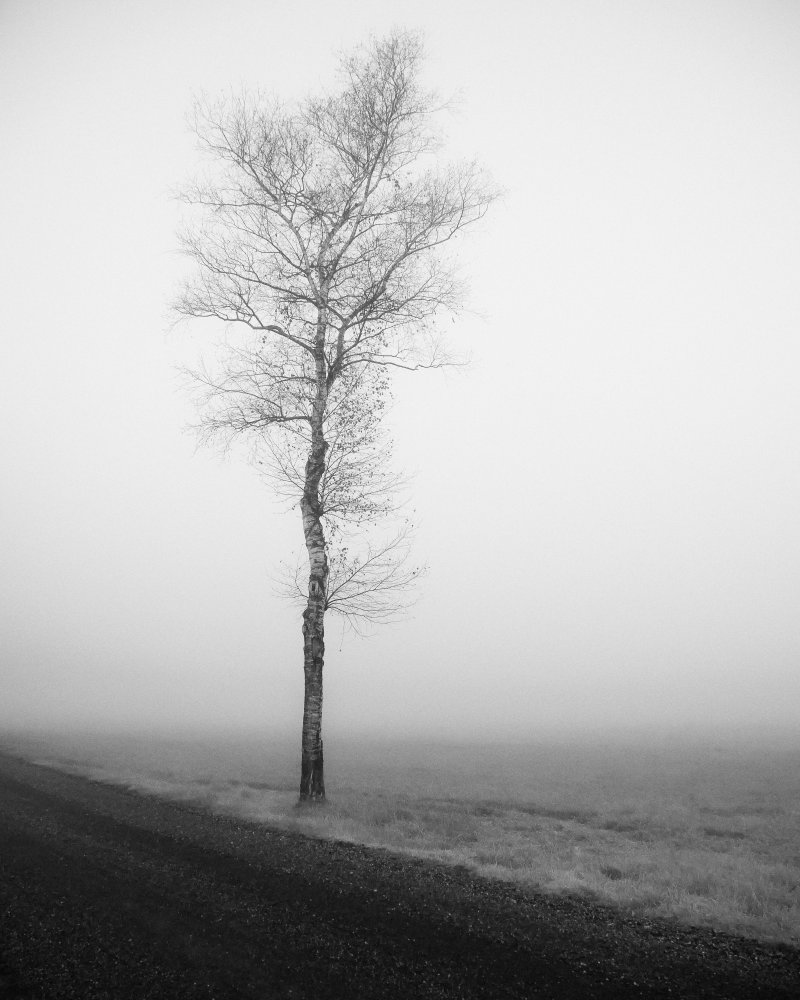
{"type": "Point", "coordinates": [312, 779]}
{"type": "Point", "coordinates": [312, 783]}
{"type": "Point", "coordinates": [312, 775]}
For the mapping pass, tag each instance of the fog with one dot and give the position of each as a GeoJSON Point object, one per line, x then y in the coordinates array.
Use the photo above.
{"type": "Point", "coordinates": [607, 497]}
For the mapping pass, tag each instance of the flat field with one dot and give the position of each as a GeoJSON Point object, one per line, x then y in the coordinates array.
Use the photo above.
{"type": "Point", "coordinates": [705, 830]}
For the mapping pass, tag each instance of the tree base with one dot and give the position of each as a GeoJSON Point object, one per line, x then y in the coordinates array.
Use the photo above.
{"type": "Point", "coordinates": [312, 777]}
{"type": "Point", "coordinates": [310, 801]}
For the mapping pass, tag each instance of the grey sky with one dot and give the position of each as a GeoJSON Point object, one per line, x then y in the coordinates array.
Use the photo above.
{"type": "Point", "coordinates": [608, 498]}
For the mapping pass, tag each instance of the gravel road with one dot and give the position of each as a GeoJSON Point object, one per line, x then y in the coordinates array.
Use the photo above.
{"type": "Point", "coordinates": [106, 893]}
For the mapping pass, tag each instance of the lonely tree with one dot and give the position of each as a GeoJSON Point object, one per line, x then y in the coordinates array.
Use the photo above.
{"type": "Point", "coordinates": [321, 231]}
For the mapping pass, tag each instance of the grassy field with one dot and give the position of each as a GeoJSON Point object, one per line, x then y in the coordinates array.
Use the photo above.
{"type": "Point", "coordinates": [704, 830]}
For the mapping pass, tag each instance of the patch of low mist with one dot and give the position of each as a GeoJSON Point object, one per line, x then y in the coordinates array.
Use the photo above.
{"type": "Point", "coordinates": [257, 775]}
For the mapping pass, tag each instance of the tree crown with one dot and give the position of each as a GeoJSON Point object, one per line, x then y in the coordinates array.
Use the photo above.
{"type": "Point", "coordinates": [326, 224]}
{"type": "Point", "coordinates": [323, 230]}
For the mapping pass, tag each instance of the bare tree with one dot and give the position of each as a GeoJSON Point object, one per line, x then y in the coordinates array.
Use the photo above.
{"type": "Point", "coordinates": [323, 228]}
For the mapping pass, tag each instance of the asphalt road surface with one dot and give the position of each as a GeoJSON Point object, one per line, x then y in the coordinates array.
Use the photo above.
{"type": "Point", "coordinates": [105, 893]}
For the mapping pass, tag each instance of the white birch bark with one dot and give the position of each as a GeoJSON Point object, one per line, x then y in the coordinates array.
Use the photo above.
{"type": "Point", "coordinates": [312, 776]}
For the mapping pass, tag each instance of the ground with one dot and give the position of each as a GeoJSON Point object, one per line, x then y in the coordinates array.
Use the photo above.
{"type": "Point", "coordinates": [107, 893]}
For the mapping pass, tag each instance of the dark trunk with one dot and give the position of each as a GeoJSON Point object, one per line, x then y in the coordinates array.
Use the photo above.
{"type": "Point", "coordinates": [312, 777]}
{"type": "Point", "coordinates": [312, 784]}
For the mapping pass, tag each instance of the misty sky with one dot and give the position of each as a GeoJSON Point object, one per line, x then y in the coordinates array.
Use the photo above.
{"type": "Point", "coordinates": [609, 498]}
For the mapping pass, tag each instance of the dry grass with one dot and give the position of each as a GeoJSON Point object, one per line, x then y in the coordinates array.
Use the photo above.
{"type": "Point", "coordinates": [706, 833]}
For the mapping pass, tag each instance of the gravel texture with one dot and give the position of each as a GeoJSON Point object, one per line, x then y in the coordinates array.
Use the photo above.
{"type": "Point", "coordinates": [106, 893]}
